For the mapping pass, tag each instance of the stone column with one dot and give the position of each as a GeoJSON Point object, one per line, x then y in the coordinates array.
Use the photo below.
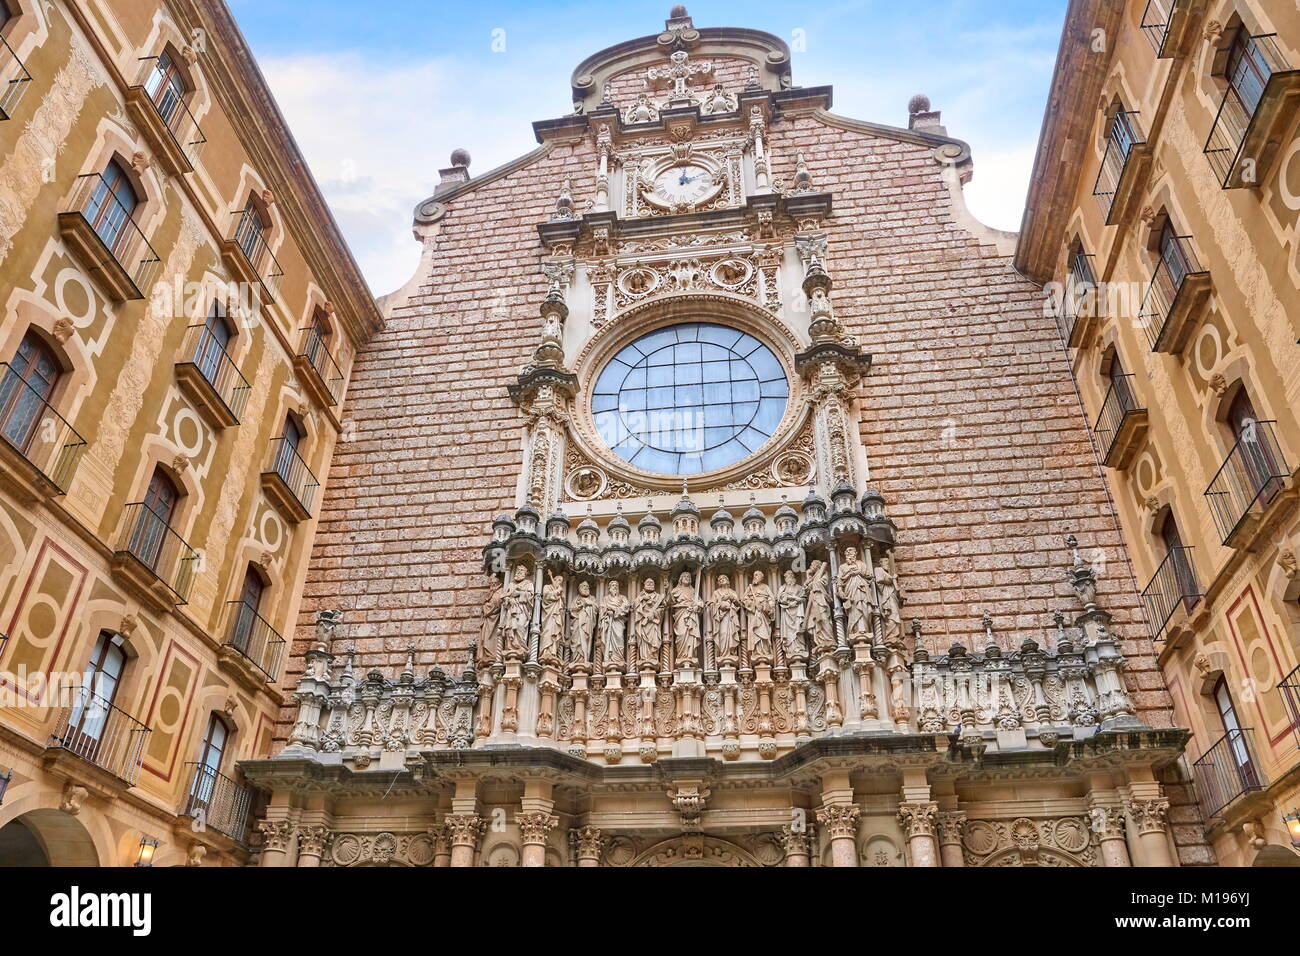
{"type": "Point", "coordinates": [587, 844]}
{"type": "Point", "coordinates": [276, 837]}
{"type": "Point", "coordinates": [1148, 815]}
{"type": "Point", "coordinates": [441, 845]}
{"type": "Point", "coordinates": [918, 823]}
{"type": "Point", "coordinates": [312, 841]}
{"type": "Point", "coordinates": [1112, 834]}
{"type": "Point", "coordinates": [950, 825]}
{"type": "Point", "coordinates": [798, 845]}
{"type": "Point", "coordinates": [534, 828]}
{"type": "Point", "coordinates": [463, 831]}
{"type": "Point", "coordinates": [841, 823]}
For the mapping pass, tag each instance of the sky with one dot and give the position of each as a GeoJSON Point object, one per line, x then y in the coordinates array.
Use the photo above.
{"type": "Point", "coordinates": [377, 95]}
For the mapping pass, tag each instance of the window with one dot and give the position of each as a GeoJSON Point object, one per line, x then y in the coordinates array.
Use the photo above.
{"type": "Point", "coordinates": [166, 87]}
{"type": "Point", "coordinates": [1176, 555]}
{"type": "Point", "coordinates": [1247, 71]}
{"type": "Point", "coordinates": [212, 344]}
{"type": "Point", "coordinates": [111, 205]}
{"type": "Point", "coordinates": [210, 757]}
{"type": "Point", "coordinates": [6, 14]}
{"type": "Point", "coordinates": [250, 601]}
{"type": "Point", "coordinates": [1236, 739]}
{"type": "Point", "coordinates": [286, 456]}
{"type": "Point", "coordinates": [1254, 448]}
{"type": "Point", "coordinates": [26, 390]}
{"type": "Point", "coordinates": [154, 519]}
{"type": "Point", "coordinates": [252, 227]}
{"type": "Point", "coordinates": [1123, 134]}
{"type": "Point", "coordinates": [690, 398]}
{"type": "Point", "coordinates": [99, 686]}
{"type": "Point", "coordinates": [1174, 255]}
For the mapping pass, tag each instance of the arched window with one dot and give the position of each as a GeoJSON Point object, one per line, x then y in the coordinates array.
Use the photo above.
{"type": "Point", "coordinates": [99, 686]}
{"type": "Point", "coordinates": [204, 790]}
{"type": "Point", "coordinates": [211, 354]}
{"type": "Point", "coordinates": [26, 390]}
{"type": "Point", "coordinates": [1174, 255]}
{"type": "Point", "coordinates": [112, 204]}
{"type": "Point", "coordinates": [1258, 463]}
{"type": "Point", "coordinates": [153, 520]}
{"type": "Point", "coordinates": [247, 611]}
{"type": "Point", "coordinates": [1235, 736]}
{"type": "Point", "coordinates": [251, 230]}
{"type": "Point", "coordinates": [166, 86]}
{"type": "Point", "coordinates": [1177, 556]}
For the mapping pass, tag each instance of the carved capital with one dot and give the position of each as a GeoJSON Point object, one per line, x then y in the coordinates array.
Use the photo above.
{"type": "Point", "coordinates": [1149, 816]}
{"type": "Point", "coordinates": [588, 842]}
{"type": "Point", "coordinates": [841, 822]}
{"type": "Point", "coordinates": [535, 825]}
{"type": "Point", "coordinates": [1107, 822]}
{"type": "Point", "coordinates": [918, 819]}
{"type": "Point", "coordinates": [464, 829]}
{"type": "Point", "coordinates": [276, 834]}
{"type": "Point", "coordinates": [950, 825]}
{"type": "Point", "coordinates": [312, 840]}
{"type": "Point", "coordinates": [797, 842]}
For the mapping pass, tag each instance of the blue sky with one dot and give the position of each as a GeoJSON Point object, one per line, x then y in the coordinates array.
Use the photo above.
{"type": "Point", "coordinates": [378, 101]}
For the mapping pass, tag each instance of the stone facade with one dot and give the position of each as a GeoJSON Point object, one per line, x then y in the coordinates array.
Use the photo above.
{"type": "Point", "coordinates": [1173, 266]}
{"type": "Point", "coordinates": [154, 351]}
{"type": "Point", "coordinates": [901, 629]}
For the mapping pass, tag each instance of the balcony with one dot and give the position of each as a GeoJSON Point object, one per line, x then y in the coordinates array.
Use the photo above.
{"type": "Point", "coordinates": [247, 255]}
{"type": "Point", "coordinates": [317, 370]}
{"type": "Point", "coordinates": [98, 733]}
{"type": "Point", "coordinates": [1253, 117]}
{"type": "Point", "coordinates": [1123, 167]}
{"type": "Point", "coordinates": [210, 379]}
{"type": "Point", "coordinates": [216, 802]}
{"type": "Point", "coordinates": [14, 80]}
{"type": "Point", "coordinates": [289, 483]}
{"type": "Point", "coordinates": [1253, 473]}
{"type": "Point", "coordinates": [1171, 594]}
{"type": "Point", "coordinates": [1227, 771]}
{"type": "Point", "coordinates": [252, 642]}
{"type": "Point", "coordinates": [1176, 299]}
{"type": "Point", "coordinates": [1290, 691]}
{"type": "Point", "coordinates": [164, 119]}
{"type": "Point", "coordinates": [1122, 425]}
{"type": "Point", "coordinates": [40, 447]}
{"type": "Point", "coordinates": [100, 232]}
{"type": "Point", "coordinates": [154, 560]}
{"type": "Point", "coordinates": [1078, 312]}
{"type": "Point", "coordinates": [1167, 25]}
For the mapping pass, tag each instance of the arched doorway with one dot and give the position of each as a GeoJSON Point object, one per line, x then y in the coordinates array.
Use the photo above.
{"type": "Point", "coordinates": [46, 838]}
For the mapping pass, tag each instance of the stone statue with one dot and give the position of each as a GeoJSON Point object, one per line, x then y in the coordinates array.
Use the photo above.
{"type": "Point", "coordinates": [724, 609]}
{"type": "Point", "coordinates": [648, 624]}
{"type": "Point", "coordinates": [517, 612]}
{"type": "Point", "coordinates": [854, 583]}
{"type": "Point", "coordinates": [791, 599]}
{"type": "Point", "coordinates": [686, 607]}
{"type": "Point", "coordinates": [552, 619]}
{"type": "Point", "coordinates": [613, 625]}
{"type": "Point", "coordinates": [489, 641]}
{"type": "Point", "coordinates": [891, 609]}
{"type": "Point", "coordinates": [760, 606]}
{"type": "Point", "coordinates": [582, 625]}
{"type": "Point", "coordinates": [817, 619]}
{"type": "Point", "coordinates": [641, 111]}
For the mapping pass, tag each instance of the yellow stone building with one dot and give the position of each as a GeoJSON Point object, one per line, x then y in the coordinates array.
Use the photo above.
{"type": "Point", "coordinates": [1165, 208]}
{"type": "Point", "coordinates": [178, 317]}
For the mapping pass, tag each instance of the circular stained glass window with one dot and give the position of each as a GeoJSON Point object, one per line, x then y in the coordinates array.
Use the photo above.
{"type": "Point", "coordinates": [689, 399]}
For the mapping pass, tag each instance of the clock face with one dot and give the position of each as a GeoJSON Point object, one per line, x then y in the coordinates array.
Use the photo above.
{"type": "Point", "coordinates": [684, 184]}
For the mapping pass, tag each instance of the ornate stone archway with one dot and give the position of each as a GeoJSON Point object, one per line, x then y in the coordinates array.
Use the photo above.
{"type": "Point", "coordinates": [695, 850]}
{"type": "Point", "coordinates": [56, 836]}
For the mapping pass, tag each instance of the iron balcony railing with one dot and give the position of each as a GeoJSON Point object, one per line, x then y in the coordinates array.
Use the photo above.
{"type": "Point", "coordinates": [250, 634]}
{"type": "Point", "coordinates": [1227, 771]}
{"type": "Point", "coordinates": [31, 426]}
{"type": "Point", "coordinates": [318, 356]}
{"type": "Point", "coordinates": [1119, 146]}
{"type": "Point", "coordinates": [100, 733]}
{"type": "Point", "coordinates": [150, 540]}
{"type": "Point", "coordinates": [1119, 404]}
{"type": "Point", "coordinates": [204, 351]}
{"type": "Point", "coordinates": [1166, 282]}
{"type": "Point", "coordinates": [14, 80]}
{"type": "Point", "coordinates": [1172, 586]}
{"type": "Point", "coordinates": [1253, 471]}
{"type": "Point", "coordinates": [1289, 688]}
{"type": "Point", "coordinates": [111, 221]}
{"type": "Point", "coordinates": [216, 802]}
{"type": "Point", "coordinates": [172, 109]}
{"type": "Point", "coordinates": [1156, 18]}
{"type": "Point", "coordinates": [1079, 299]}
{"type": "Point", "coordinates": [293, 471]}
{"type": "Point", "coordinates": [1240, 101]}
{"type": "Point", "coordinates": [250, 237]}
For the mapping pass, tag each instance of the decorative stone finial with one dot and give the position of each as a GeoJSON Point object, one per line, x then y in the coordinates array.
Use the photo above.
{"type": "Point", "coordinates": [920, 103]}
{"type": "Point", "coordinates": [460, 157]}
{"type": "Point", "coordinates": [678, 11]}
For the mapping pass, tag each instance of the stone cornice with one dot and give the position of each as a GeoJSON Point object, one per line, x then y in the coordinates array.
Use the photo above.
{"type": "Point", "coordinates": [1071, 108]}
{"type": "Point", "coordinates": [242, 92]}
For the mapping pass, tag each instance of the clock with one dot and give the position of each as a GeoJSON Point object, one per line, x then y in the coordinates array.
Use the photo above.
{"type": "Point", "coordinates": [683, 185]}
